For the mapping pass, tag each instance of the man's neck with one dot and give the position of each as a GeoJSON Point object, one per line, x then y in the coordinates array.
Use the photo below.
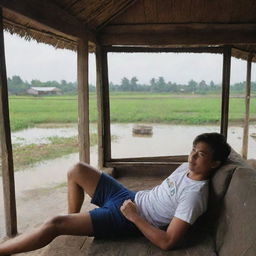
{"type": "Point", "coordinates": [196, 176]}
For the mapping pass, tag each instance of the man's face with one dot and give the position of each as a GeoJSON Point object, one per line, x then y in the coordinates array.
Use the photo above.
{"type": "Point", "coordinates": [201, 159]}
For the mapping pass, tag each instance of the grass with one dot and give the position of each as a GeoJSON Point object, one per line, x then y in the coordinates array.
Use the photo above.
{"type": "Point", "coordinates": [27, 155]}
{"type": "Point", "coordinates": [127, 107]}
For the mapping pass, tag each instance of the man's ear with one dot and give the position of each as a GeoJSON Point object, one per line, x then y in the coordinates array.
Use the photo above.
{"type": "Point", "coordinates": [216, 164]}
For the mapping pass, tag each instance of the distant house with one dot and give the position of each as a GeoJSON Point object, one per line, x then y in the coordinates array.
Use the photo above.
{"type": "Point", "coordinates": [44, 91]}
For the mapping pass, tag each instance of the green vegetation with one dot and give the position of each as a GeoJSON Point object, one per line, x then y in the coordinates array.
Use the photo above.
{"type": "Point", "coordinates": [59, 146]}
{"type": "Point", "coordinates": [156, 85]}
{"type": "Point", "coordinates": [127, 107]}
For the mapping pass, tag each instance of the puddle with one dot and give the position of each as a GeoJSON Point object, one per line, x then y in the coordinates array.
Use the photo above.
{"type": "Point", "coordinates": [41, 135]}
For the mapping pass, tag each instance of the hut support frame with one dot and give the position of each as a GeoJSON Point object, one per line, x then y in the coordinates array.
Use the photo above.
{"type": "Point", "coordinates": [83, 100]}
{"type": "Point", "coordinates": [247, 107]}
{"type": "Point", "coordinates": [104, 139]}
{"type": "Point", "coordinates": [225, 90]}
{"type": "Point", "coordinates": [6, 146]}
{"type": "Point", "coordinates": [104, 135]}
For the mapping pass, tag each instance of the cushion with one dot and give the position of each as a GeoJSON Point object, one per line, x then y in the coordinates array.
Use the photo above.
{"type": "Point", "coordinates": [236, 233]}
{"type": "Point", "coordinates": [219, 183]}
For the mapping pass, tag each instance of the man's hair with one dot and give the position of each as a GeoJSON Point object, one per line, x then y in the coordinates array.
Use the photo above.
{"type": "Point", "coordinates": [218, 143]}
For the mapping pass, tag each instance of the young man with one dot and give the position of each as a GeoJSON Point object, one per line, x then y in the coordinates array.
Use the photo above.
{"type": "Point", "coordinates": [162, 214]}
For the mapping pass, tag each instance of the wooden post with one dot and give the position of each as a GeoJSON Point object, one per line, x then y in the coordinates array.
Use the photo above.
{"type": "Point", "coordinates": [6, 145]}
{"type": "Point", "coordinates": [83, 100]}
{"type": "Point", "coordinates": [225, 90]}
{"type": "Point", "coordinates": [104, 137]}
{"type": "Point", "coordinates": [247, 107]}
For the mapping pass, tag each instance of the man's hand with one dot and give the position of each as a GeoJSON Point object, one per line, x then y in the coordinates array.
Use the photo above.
{"type": "Point", "coordinates": [129, 210]}
{"type": "Point", "coordinates": [163, 239]}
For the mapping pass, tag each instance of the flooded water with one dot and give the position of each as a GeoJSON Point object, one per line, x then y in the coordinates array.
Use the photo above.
{"type": "Point", "coordinates": [166, 140]}
{"type": "Point", "coordinates": [42, 135]}
{"type": "Point", "coordinates": [171, 140]}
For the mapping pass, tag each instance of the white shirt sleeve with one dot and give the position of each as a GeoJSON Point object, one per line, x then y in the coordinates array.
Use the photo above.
{"type": "Point", "coordinates": [190, 207]}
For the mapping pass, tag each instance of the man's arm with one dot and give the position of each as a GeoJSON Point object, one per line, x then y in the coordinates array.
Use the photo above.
{"type": "Point", "coordinates": [163, 239]}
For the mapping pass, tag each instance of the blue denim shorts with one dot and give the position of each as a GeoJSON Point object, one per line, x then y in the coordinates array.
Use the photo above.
{"type": "Point", "coordinates": [107, 220]}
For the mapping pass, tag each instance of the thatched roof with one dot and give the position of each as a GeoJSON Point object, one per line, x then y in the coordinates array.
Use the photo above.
{"type": "Point", "coordinates": [129, 22]}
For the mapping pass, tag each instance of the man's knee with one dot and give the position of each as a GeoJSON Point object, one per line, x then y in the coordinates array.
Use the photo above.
{"type": "Point", "coordinates": [77, 169]}
{"type": "Point", "coordinates": [54, 225]}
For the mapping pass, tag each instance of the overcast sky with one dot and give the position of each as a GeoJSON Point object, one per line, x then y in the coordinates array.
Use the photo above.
{"type": "Point", "coordinates": [31, 60]}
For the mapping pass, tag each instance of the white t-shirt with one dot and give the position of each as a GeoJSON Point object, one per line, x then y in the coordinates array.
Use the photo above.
{"type": "Point", "coordinates": [177, 195]}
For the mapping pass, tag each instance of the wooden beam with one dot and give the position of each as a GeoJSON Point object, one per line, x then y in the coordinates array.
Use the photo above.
{"type": "Point", "coordinates": [173, 34]}
{"type": "Point", "coordinates": [6, 145]}
{"type": "Point", "coordinates": [225, 90]}
{"type": "Point", "coordinates": [50, 15]}
{"type": "Point", "coordinates": [247, 107]}
{"type": "Point", "coordinates": [181, 158]}
{"type": "Point", "coordinates": [165, 49]}
{"type": "Point", "coordinates": [100, 106]}
{"type": "Point", "coordinates": [83, 100]}
{"type": "Point", "coordinates": [119, 12]}
{"type": "Point", "coordinates": [115, 164]}
{"type": "Point", "coordinates": [104, 137]}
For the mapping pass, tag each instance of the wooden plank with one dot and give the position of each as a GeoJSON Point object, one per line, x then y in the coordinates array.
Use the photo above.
{"type": "Point", "coordinates": [83, 100]}
{"type": "Point", "coordinates": [173, 34]}
{"type": "Point", "coordinates": [106, 107]}
{"type": "Point", "coordinates": [216, 49]}
{"type": "Point", "coordinates": [6, 145]}
{"type": "Point", "coordinates": [47, 13]}
{"type": "Point", "coordinates": [113, 164]}
{"type": "Point", "coordinates": [169, 159]}
{"type": "Point", "coordinates": [225, 90]}
{"type": "Point", "coordinates": [100, 106]}
{"type": "Point", "coordinates": [151, 11]}
{"type": "Point", "coordinates": [104, 137]}
{"type": "Point", "coordinates": [116, 14]}
{"type": "Point", "coordinates": [247, 107]}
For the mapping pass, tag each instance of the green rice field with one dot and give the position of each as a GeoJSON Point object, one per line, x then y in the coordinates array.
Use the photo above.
{"type": "Point", "coordinates": [127, 107]}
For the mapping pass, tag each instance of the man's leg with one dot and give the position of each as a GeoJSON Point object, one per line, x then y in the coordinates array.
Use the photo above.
{"type": "Point", "coordinates": [81, 178]}
{"type": "Point", "coordinates": [73, 224]}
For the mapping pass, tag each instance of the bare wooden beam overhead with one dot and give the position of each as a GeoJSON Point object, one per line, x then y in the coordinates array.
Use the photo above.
{"type": "Point", "coordinates": [165, 49]}
{"type": "Point", "coordinates": [50, 15]}
{"type": "Point", "coordinates": [83, 100]}
{"type": "Point", "coordinates": [168, 34]}
{"type": "Point", "coordinates": [6, 145]}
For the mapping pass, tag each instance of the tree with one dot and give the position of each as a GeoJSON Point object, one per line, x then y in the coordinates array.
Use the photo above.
{"type": "Point", "coordinates": [16, 85]}
{"type": "Point", "coordinates": [192, 85]}
{"type": "Point", "coordinates": [125, 84]}
{"type": "Point", "coordinates": [133, 84]}
{"type": "Point", "coordinates": [161, 84]}
{"type": "Point", "coordinates": [202, 87]}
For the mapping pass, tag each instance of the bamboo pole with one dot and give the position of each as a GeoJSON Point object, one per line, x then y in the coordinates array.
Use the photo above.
{"type": "Point", "coordinates": [83, 100]}
{"type": "Point", "coordinates": [247, 107]}
{"type": "Point", "coordinates": [225, 90]}
{"type": "Point", "coordinates": [6, 145]}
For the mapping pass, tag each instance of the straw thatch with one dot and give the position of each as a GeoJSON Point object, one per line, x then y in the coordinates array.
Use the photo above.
{"type": "Point", "coordinates": [100, 15]}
